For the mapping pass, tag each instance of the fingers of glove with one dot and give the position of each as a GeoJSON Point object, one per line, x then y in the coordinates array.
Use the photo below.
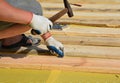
{"type": "Point", "coordinates": [59, 52]}
{"type": "Point", "coordinates": [50, 24]}
{"type": "Point", "coordinates": [41, 23]}
{"type": "Point", "coordinates": [62, 49]}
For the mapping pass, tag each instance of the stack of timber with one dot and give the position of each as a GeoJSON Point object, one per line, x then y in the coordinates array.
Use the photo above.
{"type": "Point", "coordinates": [87, 48]}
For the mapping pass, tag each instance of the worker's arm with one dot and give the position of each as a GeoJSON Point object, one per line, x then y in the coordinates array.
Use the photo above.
{"type": "Point", "coordinates": [11, 14]}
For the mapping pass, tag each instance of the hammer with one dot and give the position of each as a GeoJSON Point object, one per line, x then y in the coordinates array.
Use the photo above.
{"type": "Point", "coordinates": [67, 10]}
{"type": "Point", "coordinates": [55, 17]}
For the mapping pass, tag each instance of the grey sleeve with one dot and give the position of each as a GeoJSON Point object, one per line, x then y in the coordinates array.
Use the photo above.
{"type": "Point", "coordinates": [28, 5]}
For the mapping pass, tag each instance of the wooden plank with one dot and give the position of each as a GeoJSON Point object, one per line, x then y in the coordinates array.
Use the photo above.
{"type": "Point", "coordinates": [88, 31]}
{"type": "Point", "coordinates": [81, 15]}
{"type": "Point", "coordinates": [67, 63]}
{"type": "Point", "coordinates": [82, 40]}
{"type": "Point", "coordinates": [70, 50]}
{"type": "Point", "coordinates": [94, 22]}
{"type": "Point", "coordinates": [92, 51]}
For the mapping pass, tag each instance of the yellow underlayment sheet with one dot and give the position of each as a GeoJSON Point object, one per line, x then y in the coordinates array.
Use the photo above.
{"type": "Point", "coordinates": [54, 76]}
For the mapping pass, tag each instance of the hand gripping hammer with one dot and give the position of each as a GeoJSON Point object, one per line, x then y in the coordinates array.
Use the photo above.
{"type": "Point", "coordinates": [55, 17]}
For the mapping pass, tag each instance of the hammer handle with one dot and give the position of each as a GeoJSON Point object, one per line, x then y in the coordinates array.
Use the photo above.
{"type": "Point", "coordinates": [58, 15]}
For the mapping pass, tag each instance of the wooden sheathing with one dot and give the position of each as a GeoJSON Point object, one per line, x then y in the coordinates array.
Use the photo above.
{"type": "Point", "coordinates": [93, 48]}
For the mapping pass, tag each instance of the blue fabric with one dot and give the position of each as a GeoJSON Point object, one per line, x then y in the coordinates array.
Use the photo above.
{"type": "Point", "coordinates": [59, 52]}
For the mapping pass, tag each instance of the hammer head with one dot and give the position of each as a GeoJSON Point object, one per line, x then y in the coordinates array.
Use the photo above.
{"type": "Point", "coordinates": [67, 5]}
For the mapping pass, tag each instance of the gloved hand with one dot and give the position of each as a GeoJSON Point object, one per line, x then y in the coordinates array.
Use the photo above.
{"type": "Point", "coordinates": [55, 46]}
{"type": "Point", "coordinates": [40, 24]}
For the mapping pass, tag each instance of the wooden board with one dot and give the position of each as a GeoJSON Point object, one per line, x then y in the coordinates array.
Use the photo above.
{"type": "Point", "coordinates": [67, 63]}
{"type": "Point", "coordinates": [82, 40]}
{"type": "Point", "coordinates": [70, 50]}
{"type": "Point", "coordinates": [88, 31]}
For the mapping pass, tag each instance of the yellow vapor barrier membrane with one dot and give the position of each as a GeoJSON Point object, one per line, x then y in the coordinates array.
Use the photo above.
{"type": "Point", "coordinates": [55, 76]}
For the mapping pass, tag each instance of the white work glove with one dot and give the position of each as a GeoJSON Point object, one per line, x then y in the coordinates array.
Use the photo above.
{"type": "Point", "coordinates": [40, 24]}
{"type": "Point", "coordinates": [55, 46]}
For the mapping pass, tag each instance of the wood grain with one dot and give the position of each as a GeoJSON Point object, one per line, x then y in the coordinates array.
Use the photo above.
{"type": "Point", "coordinates": [67, 63]}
